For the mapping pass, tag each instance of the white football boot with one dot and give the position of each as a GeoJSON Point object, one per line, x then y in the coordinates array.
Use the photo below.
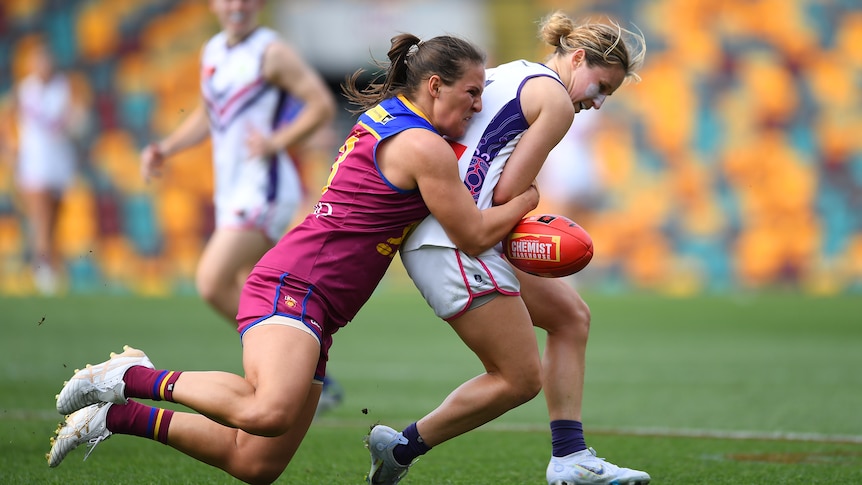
{"type": "Point", "coordinates": [384, 469]}
{"type": "Point", "coordinates": [100, 383]}
{"type": "Point", "coordinates": [87, 425]}
{"type": "Point", "coordinates": [585, 468]}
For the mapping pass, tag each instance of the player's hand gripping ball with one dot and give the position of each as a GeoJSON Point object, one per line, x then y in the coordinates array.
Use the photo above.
{"type": "Point", "coordinates": [549, 245]}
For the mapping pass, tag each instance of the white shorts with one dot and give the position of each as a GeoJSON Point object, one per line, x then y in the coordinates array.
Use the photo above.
{"type": "Point", "coordinates": [453, 282]}
{"type": "Point", "coordinates": [253, 203]}
{"type": "Point", "coordinates": [46, 172]}
{"type": "Point", "coordinates": [271, 218]}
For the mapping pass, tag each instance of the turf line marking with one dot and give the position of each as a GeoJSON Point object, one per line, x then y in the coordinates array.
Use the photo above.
{"type": "Point", "coordinates": [24, 414]}
{"type": "Point", "coordinates": [740, 435]}
{"type": "Point", "coordinates": [732, 435]}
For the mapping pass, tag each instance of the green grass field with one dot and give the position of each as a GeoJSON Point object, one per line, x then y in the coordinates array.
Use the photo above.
{"type": "Point", "coordinates": [711, 390]}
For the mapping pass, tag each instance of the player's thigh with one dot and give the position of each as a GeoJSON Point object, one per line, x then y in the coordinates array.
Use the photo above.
{"type": "Point", "coordinates": [552, 302]}
{"type": "Point", "coordinates": [280, 361]}
{"type": "Point", "coordinates": [229, 251]}
{"type": "Point", "coordinates": [501, 334]}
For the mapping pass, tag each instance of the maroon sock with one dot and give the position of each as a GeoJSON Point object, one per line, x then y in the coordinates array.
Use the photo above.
{"type": "Point", "coordinates": [137, 419]}
{"type": "Point", "coordinates": [145, 383]}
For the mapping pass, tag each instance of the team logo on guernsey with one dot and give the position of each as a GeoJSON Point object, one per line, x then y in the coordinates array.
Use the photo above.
{"type": "Point", "coordinates": [379, 115]}
{"type": "Point", "coordinates": [534, 247]}
{"type": "Point", "coordinates": [289, 301]}
{"type": "Point", "coordinates": [322, 209]}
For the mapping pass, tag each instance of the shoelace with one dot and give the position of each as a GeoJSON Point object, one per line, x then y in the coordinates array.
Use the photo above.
{"type": "Point", "coordinates": [604, 463]}
{"type": "Point", "coordinates": [91, 444]}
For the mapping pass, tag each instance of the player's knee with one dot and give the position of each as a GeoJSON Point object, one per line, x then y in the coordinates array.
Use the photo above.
{"type": "Point", "coordinates": [563, 312]}
{"type": "Point", "coordinates": [260, 472]}
{"type": "Point", "coordinates": [207, 289]}
{"type": "Point", "coordinates": [526, 393]}
{"type": "Point", "coordinates": [581, 316]}
{"type": "Point", "coordinates": [525, 386]}
{"type": "Point", "coordinates": [263, 420]}
{"type": "Point", "coordinates": [531, 385]}
{"type": "Point", "coordinates": [572, 320]}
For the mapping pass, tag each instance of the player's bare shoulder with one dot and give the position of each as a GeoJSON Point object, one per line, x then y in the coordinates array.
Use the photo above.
{"type": "Point", "coordinates": [281, 61]}
{"type": "Point", "coordinates": [429, 149]}
{"type": "Point", "coordinates": [415, 154]}
{"type": "Point", "coordinates": [545, 96]}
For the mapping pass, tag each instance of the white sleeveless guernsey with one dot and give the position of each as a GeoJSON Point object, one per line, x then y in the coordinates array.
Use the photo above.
{"type": "Point", "coordinates": [489, 141]}
{"type": "Point", "coordinates": [249, 193]}
{"type": "Point", "coordinates": [46, 154]}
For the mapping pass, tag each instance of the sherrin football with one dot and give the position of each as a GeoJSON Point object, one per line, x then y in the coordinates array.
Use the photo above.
{"type": "Point", "coordinates": [549, 245]}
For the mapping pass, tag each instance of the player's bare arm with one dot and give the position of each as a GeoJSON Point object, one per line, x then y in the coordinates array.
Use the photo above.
{"type": "Point", "coordinates": [192, 131]}
{"type": "Point", "coordinates": [285, 68]}
{"type": "Point", "coordinates": [549, 111]}
{"type": "Point", "coordinates": [426, 161]}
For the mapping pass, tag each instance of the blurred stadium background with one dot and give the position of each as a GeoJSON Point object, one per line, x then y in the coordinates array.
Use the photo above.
{"type": "Point", "coordinates": [736, 164]}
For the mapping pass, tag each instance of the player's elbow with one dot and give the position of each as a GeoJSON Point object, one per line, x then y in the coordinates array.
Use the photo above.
{"type": "Point", "coordinates": [502, 196]}
{"type": "Point", "coordinates": [474, 251]}
{"type": "Point", "coordinates": [474, 245]}
{"type": "Point", "coordinates": [326, 107]}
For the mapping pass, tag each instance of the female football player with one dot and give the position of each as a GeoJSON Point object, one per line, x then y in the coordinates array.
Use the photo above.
{"type": "Point", "coordinates": [393, 169]}
{"type": "Point", "coordinates": [528, 107]}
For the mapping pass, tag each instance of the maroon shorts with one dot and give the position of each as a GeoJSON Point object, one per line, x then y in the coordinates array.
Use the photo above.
{"type": "Point", "coordinates": [268, 292]}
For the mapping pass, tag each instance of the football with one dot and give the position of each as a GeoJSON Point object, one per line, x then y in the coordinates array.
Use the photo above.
{"type": "Point", "coordinates": [549, 245]}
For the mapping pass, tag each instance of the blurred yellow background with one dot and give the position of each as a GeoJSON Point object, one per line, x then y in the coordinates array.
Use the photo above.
{"type": "Point", "coordinates": [734, 165]}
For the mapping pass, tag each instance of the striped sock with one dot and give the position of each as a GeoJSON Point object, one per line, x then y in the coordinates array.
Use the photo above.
{"type": "Point", "coordinates": [137, 419]}
{"type": "Point", "coordinates": [567, 437]}
{"type": "Point", "coordinates": [145, 383]}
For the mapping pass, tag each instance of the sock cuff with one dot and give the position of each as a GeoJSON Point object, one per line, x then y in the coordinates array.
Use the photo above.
{"type": "Point", "coordinates": [163, 387]}
{"type": "Point", "coordinates": [138, 419]}
{"type": "Point", "coordinates": [415, 447]}
{"type": "Point", "coordinates": [567, 437]}
{"type": "Point", "coordinates": [567, 424]}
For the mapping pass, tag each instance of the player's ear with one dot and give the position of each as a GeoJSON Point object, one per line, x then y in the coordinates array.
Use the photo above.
{"type": "Point", "coordinates": [578, 56]}
{"type": "Point", "coordinates": [434, 84]}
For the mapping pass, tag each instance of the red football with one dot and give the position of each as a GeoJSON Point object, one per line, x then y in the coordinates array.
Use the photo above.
{"type": "Point", "coordinates": [549, 245]}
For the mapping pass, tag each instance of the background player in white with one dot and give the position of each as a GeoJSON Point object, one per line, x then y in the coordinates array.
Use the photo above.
{"type": "Point", "coordinates": [47, 119]}
{"type": "Point", "coordinates": [248, 75]}
{"type": "Point", "coordinates": [527, 109]}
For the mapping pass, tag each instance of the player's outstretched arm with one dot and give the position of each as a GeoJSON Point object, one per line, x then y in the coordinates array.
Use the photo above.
{"type": "Point", "coordinates": [192, 131]}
